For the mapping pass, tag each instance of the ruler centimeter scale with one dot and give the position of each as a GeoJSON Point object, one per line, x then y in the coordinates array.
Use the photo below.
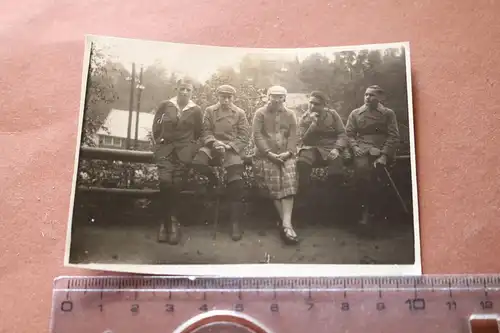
{"type": "Point", "coordinates": [154, 304]}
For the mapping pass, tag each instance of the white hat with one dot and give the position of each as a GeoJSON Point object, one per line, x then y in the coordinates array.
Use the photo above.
{"type": "Point", "coordinates": [276, 90]}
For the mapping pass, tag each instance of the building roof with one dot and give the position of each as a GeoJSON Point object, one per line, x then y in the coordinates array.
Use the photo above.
{"type": "Point", "coordinates": [116, 124]}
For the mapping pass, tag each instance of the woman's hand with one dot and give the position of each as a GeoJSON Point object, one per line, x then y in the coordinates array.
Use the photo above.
{"type": "Point", "coordinates": [275, 158]}
{"type": "Point", "coordinates": [285, 156]}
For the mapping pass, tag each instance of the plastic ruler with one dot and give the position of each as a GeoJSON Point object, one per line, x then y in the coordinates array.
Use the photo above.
{"type": "Point", "coordinates": [144, 304]}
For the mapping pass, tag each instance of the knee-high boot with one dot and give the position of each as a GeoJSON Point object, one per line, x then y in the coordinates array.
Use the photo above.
{"type": "Point", "coordinates": [304, 170]}
{"type": "Point", "coordinates": [235, 193]}
{"type": "Point", "coordinates": [364, 196]}
{"type": "Point", "coordinates": [170, 228]}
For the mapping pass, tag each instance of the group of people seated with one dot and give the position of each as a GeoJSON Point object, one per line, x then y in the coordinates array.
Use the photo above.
{"type": "Point", "coordinates": [286, 149]}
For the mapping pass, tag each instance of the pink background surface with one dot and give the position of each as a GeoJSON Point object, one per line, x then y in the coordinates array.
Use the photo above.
{"type": "Point", "coordinates": [454, 50]}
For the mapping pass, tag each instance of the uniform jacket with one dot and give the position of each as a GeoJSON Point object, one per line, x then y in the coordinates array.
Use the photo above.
{"type": "Point", "coordinates": [328, 133]}
{"type": "Point", "coordinates": [274, 131]}
{"type": "Point", "coordinates": [377, 128]}
{"type": "Point", "coordinates": [230, 127]}
{"type": "Point", "coordinates": [176, 130]}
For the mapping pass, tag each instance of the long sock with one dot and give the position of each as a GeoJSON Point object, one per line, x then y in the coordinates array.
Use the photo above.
{"type": "Point", "coordinates": [287, 204]}
{"type": "Point", "coordinates": [279, 208]}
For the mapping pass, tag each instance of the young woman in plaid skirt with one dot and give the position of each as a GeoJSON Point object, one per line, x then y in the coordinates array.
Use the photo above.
{"type": "Point", "coordinates": [274, 132]}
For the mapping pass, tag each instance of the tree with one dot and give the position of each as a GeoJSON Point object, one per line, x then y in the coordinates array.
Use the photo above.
{"type": "Point", "coordinates": [99, 94]}
{"type": "Point", "coordinates": [158, 86]}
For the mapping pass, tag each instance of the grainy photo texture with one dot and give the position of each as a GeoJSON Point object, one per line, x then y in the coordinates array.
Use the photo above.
{"type": "Point", "coordinates": [205, 160]}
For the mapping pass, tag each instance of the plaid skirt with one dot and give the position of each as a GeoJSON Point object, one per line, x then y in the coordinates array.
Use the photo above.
{"type": "Point", "coordinates": [278, 181]}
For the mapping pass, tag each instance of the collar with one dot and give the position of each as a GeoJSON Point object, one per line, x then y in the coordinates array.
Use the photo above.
{"type": "Point", "coordinates": [232, 107]}
{"type": "Point", "coordinates": [189, 105]}
{"type": "Point", "coordinates": [380, 108]}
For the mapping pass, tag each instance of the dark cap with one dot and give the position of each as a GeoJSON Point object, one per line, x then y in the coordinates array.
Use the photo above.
{"type": "Point", "coordinates": [319, 95]}
{"type": "Point", "coordinates": [377, 89]}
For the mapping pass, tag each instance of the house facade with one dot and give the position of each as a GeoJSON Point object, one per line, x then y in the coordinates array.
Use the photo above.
{"type": "Point", "coordinates": [113, 133]}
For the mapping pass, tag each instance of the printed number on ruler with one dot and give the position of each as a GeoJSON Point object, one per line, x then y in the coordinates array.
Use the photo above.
{"type": "Point", "coordinates": [301, 301]}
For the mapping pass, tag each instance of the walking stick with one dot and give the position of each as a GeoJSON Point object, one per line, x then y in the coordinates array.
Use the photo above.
{"type": "Point", "coordinates": [396, 190]}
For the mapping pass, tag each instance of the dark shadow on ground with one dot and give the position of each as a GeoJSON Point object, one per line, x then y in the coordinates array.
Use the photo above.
{"type": "Point", "coordinates": [113, 229]}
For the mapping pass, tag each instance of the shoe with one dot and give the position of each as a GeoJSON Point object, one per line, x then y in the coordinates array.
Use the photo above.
{"type": "Point", "coordinates": [288, 239]}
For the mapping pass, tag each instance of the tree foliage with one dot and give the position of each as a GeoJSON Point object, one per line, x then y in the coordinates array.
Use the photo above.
{"type": "Point", "coordinates": [343, 76]}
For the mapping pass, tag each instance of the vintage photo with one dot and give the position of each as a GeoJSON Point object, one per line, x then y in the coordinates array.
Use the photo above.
{"type": "Point", "coordinates": [208, 160]}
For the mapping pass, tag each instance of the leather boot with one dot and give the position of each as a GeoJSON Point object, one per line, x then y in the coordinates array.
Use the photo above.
{"type": "Point", "coordinates": [162, 234]}
{"type": "Point", "coordinates": [365, 216]}
{"type": "Point", "coordinates": [235, 195]}
{"type": "Point", "coordinates": [304, 176]}
{"type": "Point", "coordinates": [174, 231]}
{"type": "Point", "coordinates": [236, 213]}
{"type": "Point", "coordinates": [169, 229]}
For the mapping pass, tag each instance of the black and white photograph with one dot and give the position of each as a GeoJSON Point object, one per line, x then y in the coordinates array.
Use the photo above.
{"type": "Point", "coordinates": [215, 160]}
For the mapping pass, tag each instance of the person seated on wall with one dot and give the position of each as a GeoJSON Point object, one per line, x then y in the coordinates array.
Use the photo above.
{"type": "Point", "coordinates": [373, 135]}
{"type": "Point", "coordinates": [225, 135]}
{"type": "Point", "coordinates": [274, 130]}
{"type": "Point", "coordinates": [177, 126]}
{"type": "Point", "coordinates": [324, 142]}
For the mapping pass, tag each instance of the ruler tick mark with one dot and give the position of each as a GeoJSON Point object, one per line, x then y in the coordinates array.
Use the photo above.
{"type": "Point", "coordinates": [309, 292]}
{"type": "Point", "coordinates": [204, 291]}
{"type": "Point", "coordinates": [449, 290]}
{"type": "Point", "coordinates": [67, 293]}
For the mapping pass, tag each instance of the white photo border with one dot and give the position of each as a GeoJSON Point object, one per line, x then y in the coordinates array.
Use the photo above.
{"type": "Point", "coordinates": [257, 270]}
